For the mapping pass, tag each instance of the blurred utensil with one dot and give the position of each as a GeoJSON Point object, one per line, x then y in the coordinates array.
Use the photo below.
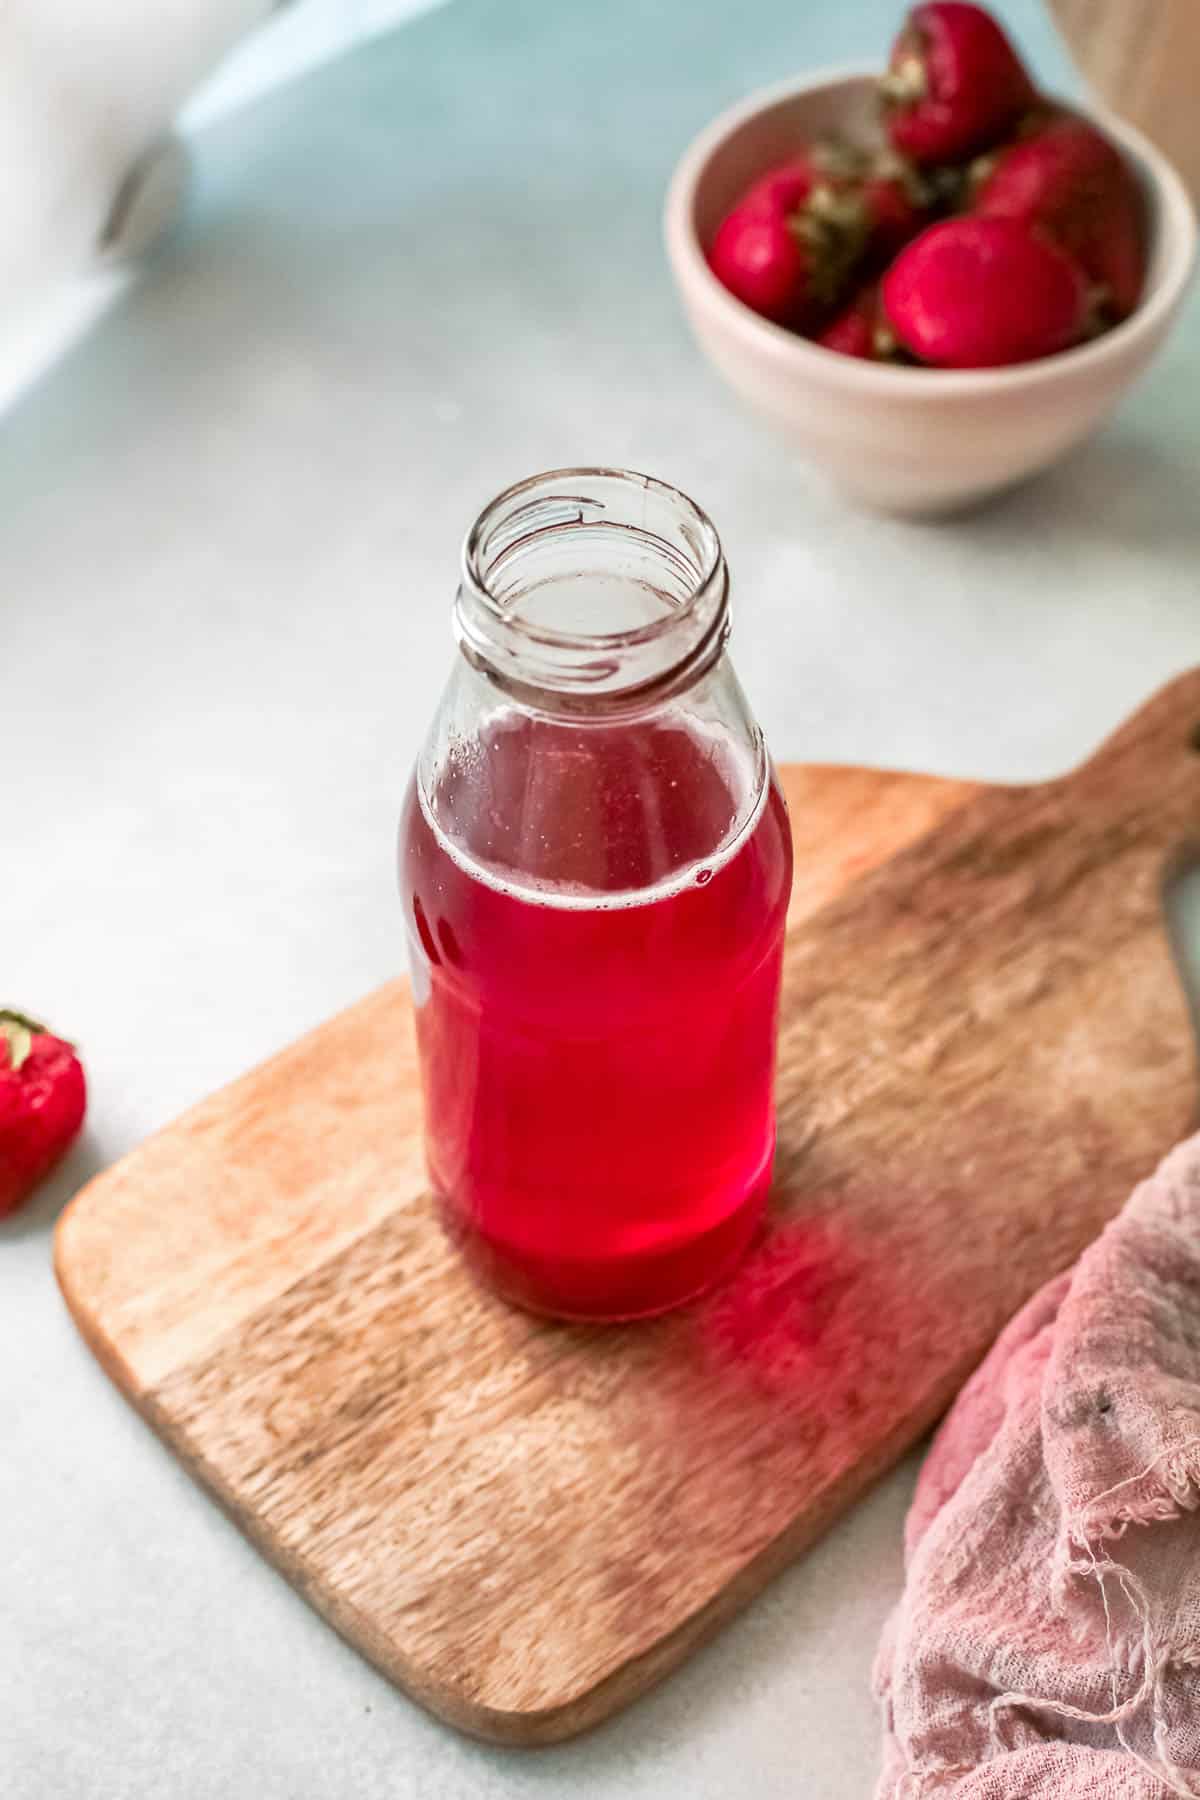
{"type": "Point", "coordinates": [1143, 58]}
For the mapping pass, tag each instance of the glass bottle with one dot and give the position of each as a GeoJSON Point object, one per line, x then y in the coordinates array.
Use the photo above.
{"type": "Point", "coordinates": [595, 866]}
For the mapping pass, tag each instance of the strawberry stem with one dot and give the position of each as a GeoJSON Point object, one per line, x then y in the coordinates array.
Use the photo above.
{"type": "Point", "coordinates": [832, 226]}
{"type": "Point", "coordinates": [904, 83]}
{"type": "Point", "coordinates": [980, 170]}
{"type": "Point", "coordinates": [889, 165]}
{"type": "Point", "coordinates": [838, 160]}
{"type": "Point", "coordinates": [18, 1031]}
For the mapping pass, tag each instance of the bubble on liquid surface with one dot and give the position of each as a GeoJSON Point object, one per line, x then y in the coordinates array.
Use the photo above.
{"type": "Point", "coordinates": [703, 877]}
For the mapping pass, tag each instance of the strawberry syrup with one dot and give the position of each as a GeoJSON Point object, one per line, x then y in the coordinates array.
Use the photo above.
{"type": "Point", "coordinates": [596, 948]}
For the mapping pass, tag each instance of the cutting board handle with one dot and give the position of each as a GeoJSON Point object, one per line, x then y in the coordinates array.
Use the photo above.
{"type": "Point", "coordinates": [1147, 774]}
{"type": "Point", "coordinates": [1167, 726]}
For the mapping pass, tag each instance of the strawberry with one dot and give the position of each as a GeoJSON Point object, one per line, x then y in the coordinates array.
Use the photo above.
{"type": "Point", "coordinates": [855, 330]}
{"type": "Point", "coordinates": [792, 242]}
{"type": "Point", "coordinates": [42, 1102]}
{"type": "Point", "coordinates": [830, 162]}
{"type": "Point", "coordinates": [1070, 182]}
{"type": "Point", "coordinates": [975, 293]}
{"type": "Point", "coordinates": [896, 204]}
{"type": "Point", "coordinates": [954, 85]}
{"type": "Point", "coordinates": [759, 253]}
{"type": "Point", "coordinates": [892, 200]}
{"type": "Point", "coordinates": [763, 262]}
{"type": "Point", "coordinates": [783, 189]}
{"type": "Point", "coordinates": [791, 266]}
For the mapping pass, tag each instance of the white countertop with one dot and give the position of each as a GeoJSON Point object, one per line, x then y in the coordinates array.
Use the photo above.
{"type": "Point", "coordinates": [228, 536]}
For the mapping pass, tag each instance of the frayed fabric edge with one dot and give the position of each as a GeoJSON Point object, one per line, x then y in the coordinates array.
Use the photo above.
{"type": "Point", "coordinates": [1081, 1556]}
{"type": "Point", "coordinates": [1177, 1492]}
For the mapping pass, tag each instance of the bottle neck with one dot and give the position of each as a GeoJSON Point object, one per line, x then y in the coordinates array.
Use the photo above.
{"type": "Point", "coordinates": [592, 591]}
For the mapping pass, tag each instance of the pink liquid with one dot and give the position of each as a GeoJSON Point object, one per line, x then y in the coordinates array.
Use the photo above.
{"type": "Point", "coordinates": [597, 1038]}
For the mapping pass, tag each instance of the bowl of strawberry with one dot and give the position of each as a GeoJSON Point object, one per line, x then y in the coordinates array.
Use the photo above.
{"type": "Point", "coordinates": [937, 280]}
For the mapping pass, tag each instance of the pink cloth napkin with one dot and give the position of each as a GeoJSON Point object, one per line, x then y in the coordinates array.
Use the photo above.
{"type": "Point", "coordinates": [1048, 1639]}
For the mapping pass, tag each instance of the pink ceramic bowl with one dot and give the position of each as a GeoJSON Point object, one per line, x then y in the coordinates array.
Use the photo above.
{"type": "Point", "coordinates": [901, 439]}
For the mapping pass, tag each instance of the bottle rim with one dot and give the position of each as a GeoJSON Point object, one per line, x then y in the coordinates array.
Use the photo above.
{"type": "Point", "coordinates": [526, 504]}
{"type": "Point", "coordinates": [540, 534]}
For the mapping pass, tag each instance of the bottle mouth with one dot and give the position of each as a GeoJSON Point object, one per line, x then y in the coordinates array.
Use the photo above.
{"type": "Point", "coordinates": [593, 581]}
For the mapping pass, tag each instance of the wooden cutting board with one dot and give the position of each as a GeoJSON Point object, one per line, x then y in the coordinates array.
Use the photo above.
{"type": "Point", "coordinates": [984, 1045]}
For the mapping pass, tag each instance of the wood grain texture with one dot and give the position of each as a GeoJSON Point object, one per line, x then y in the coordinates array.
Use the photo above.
{"type": "Point", "coordinates": [1143, 58]}
{"type": "Point", "coordinates": [984, 1045]}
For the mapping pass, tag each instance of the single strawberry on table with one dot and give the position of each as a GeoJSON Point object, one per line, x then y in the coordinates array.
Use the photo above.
{"type": "Point", "coordinates": [954, 84]}
{"type": "Point", "coordinates": [43, 1097]}
{"type": "Point", "coordinates": [974, 293]}
{"type": "Point", "coordinates": [1067, 179]}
